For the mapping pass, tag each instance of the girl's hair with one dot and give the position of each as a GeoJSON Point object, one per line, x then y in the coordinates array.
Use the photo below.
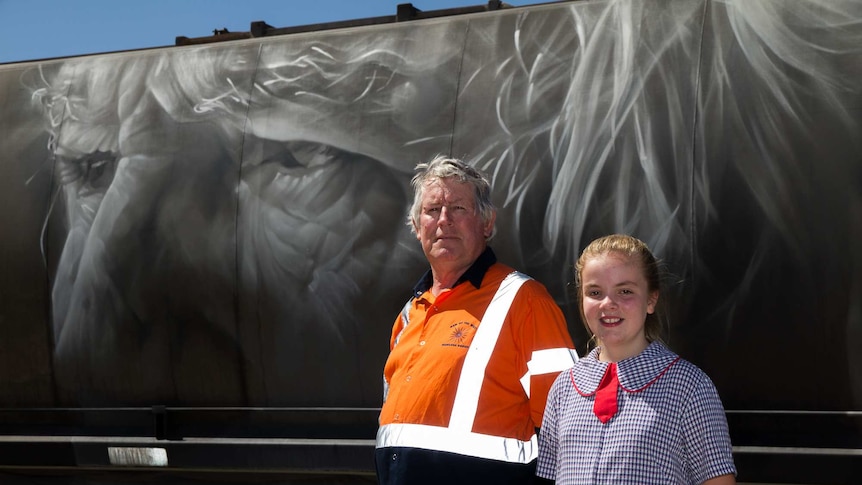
{"type": "Point", "coordinates": [633, 248]}
{"type": "Point", "coordinates": [443, 167]}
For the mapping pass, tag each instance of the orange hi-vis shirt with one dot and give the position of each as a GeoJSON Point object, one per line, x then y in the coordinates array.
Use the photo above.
{"type": "Point", "coordinates": [427, 361]}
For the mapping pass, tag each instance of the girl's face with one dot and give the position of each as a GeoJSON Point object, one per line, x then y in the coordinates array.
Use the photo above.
{"type": "Point", "coordinates": [616, 301]}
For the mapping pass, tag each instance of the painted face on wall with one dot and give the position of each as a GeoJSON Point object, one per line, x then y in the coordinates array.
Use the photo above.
{"type": "Point", "coordinates": [616, 301]}
{"type": "Point", "coordinates": [450, 227]}
{"type": "Point", "coordinates": [219, 194]}
{"type": "Point", "coordinates": [234, 210]}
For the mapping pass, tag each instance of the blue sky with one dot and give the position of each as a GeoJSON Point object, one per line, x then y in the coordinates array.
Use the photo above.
{"type": "Point", "coordinates": [42, 29]}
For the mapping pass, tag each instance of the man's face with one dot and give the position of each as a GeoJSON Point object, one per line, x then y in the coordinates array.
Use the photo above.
{"type": "Point", "coordinates": [450, 226]}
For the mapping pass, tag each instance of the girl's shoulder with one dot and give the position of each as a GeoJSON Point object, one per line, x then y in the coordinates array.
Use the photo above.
{"type": "Point", "coordinates": [657, 363]}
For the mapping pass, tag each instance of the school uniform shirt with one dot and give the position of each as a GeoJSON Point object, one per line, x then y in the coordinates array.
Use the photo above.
{"type": "Point", "coordinates": [669, 428]}
{"type": "Point", "coordinates": [466, 379]}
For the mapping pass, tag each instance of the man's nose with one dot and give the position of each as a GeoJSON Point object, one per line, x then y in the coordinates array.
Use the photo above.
{"type": "Point", "coordinates": [444, 216]}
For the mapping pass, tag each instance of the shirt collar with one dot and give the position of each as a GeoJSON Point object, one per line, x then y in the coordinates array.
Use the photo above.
{"type": "Point", "coordinates": [474, 274]}
{"type": "Point", "coordinates": [634, 373]}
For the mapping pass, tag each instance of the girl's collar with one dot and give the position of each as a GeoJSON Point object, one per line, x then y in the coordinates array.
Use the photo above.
{"type": "Point", "coordinates": [635, 373]}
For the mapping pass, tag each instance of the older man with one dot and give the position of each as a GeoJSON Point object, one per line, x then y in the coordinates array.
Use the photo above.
{"type": "Point", "coordinates": [474, 351]}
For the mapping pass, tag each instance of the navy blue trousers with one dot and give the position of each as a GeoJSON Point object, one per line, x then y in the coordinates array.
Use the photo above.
{"type": "Point", "coordinates": [415, 466]}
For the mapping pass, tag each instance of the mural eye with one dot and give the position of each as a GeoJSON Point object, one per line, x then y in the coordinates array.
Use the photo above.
{"type": "Point", "coordinates": [298, 154]}
{"type": "Point", "coordinates": [98, 169]}
{"type": "Point", "coordinates": [92, 171]}
{"type": "Point", "coordinates": [99, 173]}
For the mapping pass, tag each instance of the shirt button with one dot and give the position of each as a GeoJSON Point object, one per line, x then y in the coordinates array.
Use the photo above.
{"type": "Point", "coordinates": [397, 416]}
{"type": "Point", "coordinates": [422, 343]}
{"type": "Point", "coordinates": [409, 377]}
{"type": "Point", "coordinates": [394, 456]}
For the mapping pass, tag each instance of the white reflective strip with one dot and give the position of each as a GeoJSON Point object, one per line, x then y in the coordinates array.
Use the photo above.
{"type": "Point", "coordinates": [457, 441]}
{"type": "Point", "coordinates": [552, 360]}
{"type": "Point", "coordinates": [548, 361]}
{"type": "Point", "coordinates": [405, 319]}
{"type": "Point", "coordinates": [476, 361]}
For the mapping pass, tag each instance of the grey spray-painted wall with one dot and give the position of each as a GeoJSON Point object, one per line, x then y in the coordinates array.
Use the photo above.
{"type": "Point", "coordinates": [223, 225]}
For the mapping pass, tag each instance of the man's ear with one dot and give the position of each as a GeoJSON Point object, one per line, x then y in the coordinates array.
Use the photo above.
{"type": "Point", "coordinates": [489, 226]}
{"type": "Point", "coordinates": [415, 229]}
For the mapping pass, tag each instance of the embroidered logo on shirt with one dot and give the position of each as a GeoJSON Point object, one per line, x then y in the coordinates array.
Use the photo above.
{"type": "Point", "coordinates": [460, 335]}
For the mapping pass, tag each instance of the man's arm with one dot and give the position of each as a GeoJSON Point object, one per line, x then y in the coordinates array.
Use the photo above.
{"type": "Point", "coordinates": [546, 338]}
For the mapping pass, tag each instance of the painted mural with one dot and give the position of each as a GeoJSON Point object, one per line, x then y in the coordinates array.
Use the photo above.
{"type": "Point", "coordinates": [224, 224]}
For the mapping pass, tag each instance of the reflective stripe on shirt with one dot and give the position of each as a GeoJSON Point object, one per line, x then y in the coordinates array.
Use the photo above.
{"type": "Point", "coordinates": [548, 361]}
{"type": "Point", "coordinates": [405, 319]}
{"type": "Point", "coordinates": [481, 348]}
{"type": "Point", "coordinates": [456, 441]}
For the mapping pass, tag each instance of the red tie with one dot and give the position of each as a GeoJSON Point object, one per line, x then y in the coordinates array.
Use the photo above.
{"type": "Point", "coordinates": [605, 405]}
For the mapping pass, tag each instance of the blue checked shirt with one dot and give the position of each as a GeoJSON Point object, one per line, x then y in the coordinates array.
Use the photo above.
{"type": "Point", "coordinates": [670, 427]}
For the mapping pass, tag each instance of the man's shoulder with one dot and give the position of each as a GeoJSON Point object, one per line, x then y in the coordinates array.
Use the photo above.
{"type": "Point", "coordinates": [531, 287]}
{"type": "Point", "coordinates": [496, 273]}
